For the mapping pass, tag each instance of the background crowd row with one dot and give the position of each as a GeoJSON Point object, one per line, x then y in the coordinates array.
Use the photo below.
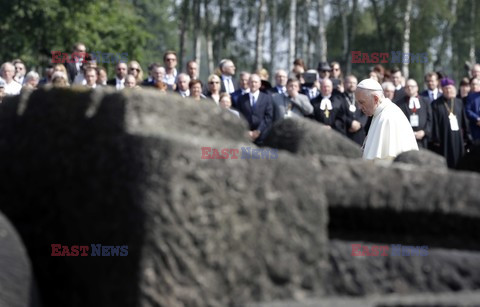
{"type": "Point", "coordinates": [322, 94]}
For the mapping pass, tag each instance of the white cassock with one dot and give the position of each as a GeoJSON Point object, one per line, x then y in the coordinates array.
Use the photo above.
{"type": "Point", "coordinates": [390, 133]}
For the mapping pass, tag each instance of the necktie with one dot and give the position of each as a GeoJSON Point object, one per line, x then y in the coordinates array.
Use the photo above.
{"type": "Point", "coordinates": [254, 102]}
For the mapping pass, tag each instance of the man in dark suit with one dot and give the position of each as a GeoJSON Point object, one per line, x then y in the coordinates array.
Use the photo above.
{"type": "Point", "coordinates": [183, 81]}
{"type": "Point", "coordinates": [355, 121]}
{"type": "Point", "coordinates": [228, 84]}
{"type": "Point", "coordinates": [397, 79]}
{"type": "Point", "coordinates": [120, 74]}
{"type": "Point", "coordinates": [432, 92]}
{"type": "Point", "coordinates": [326, 107]}
{"type": "Point", "coordinates": [281, 79]}
{"type": "Point", "coordinates": [73, 69]}
{"type": "Point", "coordinates": [242, 90]}
{"type": "Point", "coordinates": [257, 109]}
{"type": "Point", "coordinates": [418, 111]}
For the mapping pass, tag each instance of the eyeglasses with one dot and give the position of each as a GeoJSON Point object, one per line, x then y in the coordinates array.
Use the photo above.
{"type": "Point", "coordinates": [133, 68]}
{"type": "Point", "coordinates": [214, 82]}
{"type": "Point", "coordinates": [171, 59]}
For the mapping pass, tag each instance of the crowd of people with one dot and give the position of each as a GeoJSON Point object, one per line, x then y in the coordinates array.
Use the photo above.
{"type": "Point", "coordinates": [443, 119]}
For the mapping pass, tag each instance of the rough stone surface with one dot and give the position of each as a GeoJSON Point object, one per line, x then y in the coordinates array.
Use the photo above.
{"type": "Point", "coordinates": [450, 299]}
{"type": "Point", "coordinates": [305, 138]}
{"type": "Point", "coordinates": [17, 287]}
{"type": "Point", "coordinates": [440, 271]}
{"type": "Point", "coordinates": [371, 202]}
{"type": "Point", "coordinates": [126, 169]}
{"type": "Point", "coordinates": [422, 158]}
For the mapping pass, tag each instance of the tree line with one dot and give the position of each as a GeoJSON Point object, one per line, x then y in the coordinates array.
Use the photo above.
{"type": "Point", "coordinates": [253, 33]}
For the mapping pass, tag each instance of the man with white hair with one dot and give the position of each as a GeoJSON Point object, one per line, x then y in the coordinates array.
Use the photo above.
{"type": "Point", "coordinates": [7, 72]}
{"type": "Point", "coordinates": [281, 79]}
{"type": "Point", "coordinates": [183, 81]}
{"type": "Point", "coordinates": [229, 84]}
{"type": "Point", "coordinates": [388, 90]}
{"type": "Point", "coordinates": [390, 132]}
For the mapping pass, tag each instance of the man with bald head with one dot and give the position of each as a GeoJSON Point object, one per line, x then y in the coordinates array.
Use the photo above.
{"type": "Point", "coordinates": [418, 111]}
{"type": "Point", "coordinates": [390, 132]}
{"type": "Point", "coordinates": [475, 72]}
{"type": "Point", "coordinates": [326, 107]}
{"type": "Point", "coordinates": [256, 107]}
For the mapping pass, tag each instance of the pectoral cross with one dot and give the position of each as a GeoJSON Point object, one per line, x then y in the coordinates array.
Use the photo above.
{"type": "Point", "coordinates": [327, 113]}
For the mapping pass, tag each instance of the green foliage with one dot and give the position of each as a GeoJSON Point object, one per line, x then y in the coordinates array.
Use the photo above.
{"type": "Point", "coordinates": [145, 29]}
{"type": "Point", "coordinates": [31, 29]}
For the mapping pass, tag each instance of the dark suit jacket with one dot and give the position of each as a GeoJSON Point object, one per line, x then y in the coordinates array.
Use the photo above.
{"type": "Point", "coordinates": [258, 118]}
{"type": "Point", "coordinates": [112, 82]}
{"type": "Point", "coordinates": [346, 115]}
{"type": "Point", "coordinates": [235, 97]}
{"type": "Point", "coordinates": [333, 117]}
{"type": "Point", "coordinates": [222, 88]}
{"type": "Point", "coordinates": [424, 117]}
{"type": "Point", "coordinates": [71, 71]}
{"type": "Point", "coordinates": [425, 94]}
{"type": "Point", "coordinates": [399, 95]}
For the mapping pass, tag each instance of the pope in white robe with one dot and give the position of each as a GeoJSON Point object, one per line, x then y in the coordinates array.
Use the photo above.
{"type": "Point", "coordinates": [390, 132]}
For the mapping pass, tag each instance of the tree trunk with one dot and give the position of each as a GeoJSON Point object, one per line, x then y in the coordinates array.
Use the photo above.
{"type": "Point", "coordinates": [322, 34]}
{"type": "Point", "coordinates": [406, 36]}
{"type": "Point", "coordinates": [197, 41]}
{"type": "Point", "coordinates": [208, 33]}
{"type": "Point", "coordinates": [351, 35]}
{"type": "Point", "coordinates": [472, 34]}
{"type": "Point", "coordinates": [183, 30]}
{"type": "Point", "coordinates": [377, 20]}
{"type": "Point", "coordinates": [306, 25]}
{"type": "Point", "coordinates": [273, 34]}
{"type": "Point", "coordinates": [260, 34]}
{"type": "Point", "coordinates": [293, 32]}
{"type": "Point", "coordinates": [342, 9]}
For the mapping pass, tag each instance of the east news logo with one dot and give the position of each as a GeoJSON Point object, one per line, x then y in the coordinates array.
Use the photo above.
{"type": "Point", "coordinates": [382, 250]}
{"type": "Point", "coordinates": [96, 250]}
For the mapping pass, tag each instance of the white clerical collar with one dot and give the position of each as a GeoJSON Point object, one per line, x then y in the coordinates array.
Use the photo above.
{"type": "Point", "coordinates": [413, 103]}
{"type": "Point", "coordinates": [326, 103]}
{"type": "Point", "coordinates": [382, 106]}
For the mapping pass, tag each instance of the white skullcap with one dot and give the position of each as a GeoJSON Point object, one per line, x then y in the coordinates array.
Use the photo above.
{"type": "Point", "coordinates": [370, 84]}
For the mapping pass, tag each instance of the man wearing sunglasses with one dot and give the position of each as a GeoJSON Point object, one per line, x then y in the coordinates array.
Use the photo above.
{"type": "Point", "coordinates": [170, 64]}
